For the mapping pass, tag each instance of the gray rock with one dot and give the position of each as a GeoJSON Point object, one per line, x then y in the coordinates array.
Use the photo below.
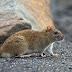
{"type": "Point", "coordinates": [6, 15]}
{"type": "Point", "coordinates": [11, 22]}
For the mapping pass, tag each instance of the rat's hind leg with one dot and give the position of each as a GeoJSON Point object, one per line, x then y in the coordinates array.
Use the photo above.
{"type": "Point", "coordinates": [25, 55]}
{"type": "Point", "coordinates": [22, 56]}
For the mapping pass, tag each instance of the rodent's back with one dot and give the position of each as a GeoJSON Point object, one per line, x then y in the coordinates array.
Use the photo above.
{"type": "Point", "coordinates": [26, 39]}
{"type": "Point", "coordinates": [36, 40]}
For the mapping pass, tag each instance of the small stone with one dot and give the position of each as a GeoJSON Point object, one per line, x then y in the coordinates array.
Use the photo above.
{"type": "Point", "coordinates": [70, 66]}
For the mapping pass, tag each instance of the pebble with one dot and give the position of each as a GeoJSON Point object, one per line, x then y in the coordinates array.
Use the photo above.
{"type": "Point", "coordinates": [70, 66]}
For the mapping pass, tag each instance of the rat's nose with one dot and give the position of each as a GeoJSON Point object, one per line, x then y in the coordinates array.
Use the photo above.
{"type": "Point", "coordinates": [63, 37]}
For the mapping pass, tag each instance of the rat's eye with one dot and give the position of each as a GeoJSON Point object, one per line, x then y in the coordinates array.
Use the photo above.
{"type": "Point", "coordinates": [46, 31]}
{"type": "Point", "coordinates": [55, 32]}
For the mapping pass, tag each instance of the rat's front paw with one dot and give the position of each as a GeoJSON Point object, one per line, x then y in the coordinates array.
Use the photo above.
{"type": "Point", "coordinates": [23, 56]}
{"type": "Point", "coordinates": [42, 55]}
{"type": "Point", "coordinates": [54, 54]}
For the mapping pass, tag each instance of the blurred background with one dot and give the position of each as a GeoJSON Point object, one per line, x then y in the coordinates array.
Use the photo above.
{"type": "Point", "coordinates": [62, 16]}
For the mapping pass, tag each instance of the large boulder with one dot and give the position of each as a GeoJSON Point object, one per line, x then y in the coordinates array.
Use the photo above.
{"type": "Point", "coordinates": [11, 22]}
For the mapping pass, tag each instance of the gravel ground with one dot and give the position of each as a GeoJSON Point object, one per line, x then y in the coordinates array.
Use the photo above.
{"type": "Point", "coordinates": [62, 63]}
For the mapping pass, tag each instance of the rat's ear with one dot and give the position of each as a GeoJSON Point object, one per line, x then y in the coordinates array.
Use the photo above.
{"type": "Point", "coordinates": [48, 28]}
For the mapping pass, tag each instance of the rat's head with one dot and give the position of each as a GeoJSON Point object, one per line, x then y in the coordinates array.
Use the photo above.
{"type": "Point", "coordinates": [53, 34]}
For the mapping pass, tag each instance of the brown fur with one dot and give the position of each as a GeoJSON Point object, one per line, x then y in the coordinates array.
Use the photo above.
{"type": "Point", "coordinates": [28, 40]}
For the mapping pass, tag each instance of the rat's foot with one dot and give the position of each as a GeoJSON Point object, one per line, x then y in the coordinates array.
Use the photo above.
{"type": "Point", "coordinates": [22, 56]}
{"type": "Point", "coordinates": [54, 54]}
{"type": "Point", "coordinates": [43, 55]}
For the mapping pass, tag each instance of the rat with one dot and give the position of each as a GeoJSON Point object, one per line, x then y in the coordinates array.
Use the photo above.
{"type": "Point", "coordinates": [29, 41]}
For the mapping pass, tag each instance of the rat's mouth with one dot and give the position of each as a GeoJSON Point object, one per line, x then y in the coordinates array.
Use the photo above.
{"type": "Point", "coordinates": [61, 37]}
